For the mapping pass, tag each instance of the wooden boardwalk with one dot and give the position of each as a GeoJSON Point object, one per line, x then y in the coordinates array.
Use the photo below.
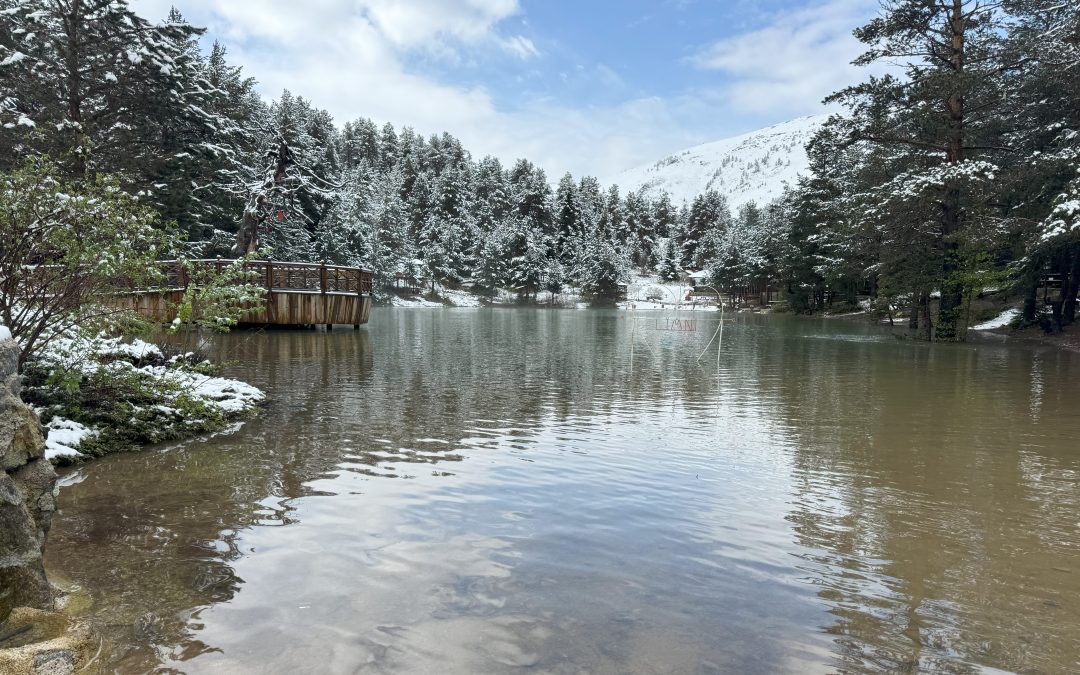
{"type": "Point", "coordinates": [297, 294]}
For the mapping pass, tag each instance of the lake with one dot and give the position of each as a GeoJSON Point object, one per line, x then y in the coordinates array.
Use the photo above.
{"type": "Point", "coordinates": [510, 490]}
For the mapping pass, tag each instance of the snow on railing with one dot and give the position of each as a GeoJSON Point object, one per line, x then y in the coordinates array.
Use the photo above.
{"type": "Point", "coordinates": [277, 276]}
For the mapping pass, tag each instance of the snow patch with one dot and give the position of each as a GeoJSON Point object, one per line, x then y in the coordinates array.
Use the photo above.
{"type": "Point", "coordinates": [461, 298]}
{"type": "Point", "coordinates": [5, 334]}
{"type": "Point", "coordinates": [64, 438]}
{"type": "Point", "coordinates": [13, 58]}
{"type": "Point", "coordinates": [397, 301]}
{"type": "Point", "coordinates": [231, 396]}
{"type": "Point", "coordinates": [1002, 320]}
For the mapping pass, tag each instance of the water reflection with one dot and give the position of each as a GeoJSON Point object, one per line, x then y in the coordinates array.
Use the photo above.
{"type": "Point", "coordinates": [479, 491]}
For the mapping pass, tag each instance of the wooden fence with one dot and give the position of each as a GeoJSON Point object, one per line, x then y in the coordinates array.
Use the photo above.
{"type": "Point", "coordinates": [297, 294]}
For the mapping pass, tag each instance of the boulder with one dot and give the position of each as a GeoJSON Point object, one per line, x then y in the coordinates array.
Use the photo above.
{"type": "Point", "coordinates": [27, 496]}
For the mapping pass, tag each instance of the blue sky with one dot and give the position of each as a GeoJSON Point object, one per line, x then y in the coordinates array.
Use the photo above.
{"type": "Point", "coordinates": [587, 86]}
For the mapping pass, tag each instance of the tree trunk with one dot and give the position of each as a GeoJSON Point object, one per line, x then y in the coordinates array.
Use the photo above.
{"type": "Point", "coordinates": [952, 292]}
{"type": "Point", "coordinates": [926, 329]}
{"type": "Point", "coordinates": [73, 20]}
{"type": "Point", "coordinates": [913, 315]}
{"type": "Point", "coordinates": [1031, 299]}
{"type": "Point", "coordinates": [247, 237]}
{"type": "Point", "coordinates": [1055, 311]}
{"type": "Point", "coordinates": [1069, 289]}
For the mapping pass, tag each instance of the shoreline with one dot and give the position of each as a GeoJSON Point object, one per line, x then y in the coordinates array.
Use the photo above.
{"type": "Point", "coordinates": [1067, 339]}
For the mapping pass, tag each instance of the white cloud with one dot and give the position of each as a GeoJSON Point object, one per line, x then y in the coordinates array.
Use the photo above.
{"type": "Point", "coordinates": [520, 46]}
{"type": "Point", "coordinates": [352, 58]}
{"type": "Point", "coordinates": [412, 24]}
{"type": "Point", "coordinates": [359, 58]}
{"type": "Point", "coordinates": [788, 66]}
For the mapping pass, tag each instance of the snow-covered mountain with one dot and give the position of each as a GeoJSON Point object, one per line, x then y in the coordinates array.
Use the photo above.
{"type": "Point", "coordinates": [755, 166]}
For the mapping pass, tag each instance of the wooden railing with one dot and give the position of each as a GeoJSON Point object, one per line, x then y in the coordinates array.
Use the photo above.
{"type": "Point", "coordinates": [277, 276]}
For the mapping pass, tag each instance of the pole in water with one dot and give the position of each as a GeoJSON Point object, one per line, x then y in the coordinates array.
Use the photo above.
{"type": "Point", "coordinates": [719, 331]}
{"type": "Point", "coordinates": [720, 340]}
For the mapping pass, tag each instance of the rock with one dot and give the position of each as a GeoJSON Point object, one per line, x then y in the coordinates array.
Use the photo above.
{"type": "Point", "coordinates": [20, 433]}
{"type": "Point", "coordinates": [9, 358]}
{"type": "Point", "coordinates": [27, 496]}
{"type": "Point", "coordinates": [55, 662]}
{"type": "Point", "coordinates": [51, 645]}
{"type": "Point", "coordinates": [54, 646]}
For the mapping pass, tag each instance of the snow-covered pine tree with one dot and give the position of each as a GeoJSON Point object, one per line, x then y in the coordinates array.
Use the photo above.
{"type": "Point", "coordinates": [709, 227]}
{"type": "Point", "coordinates": [669, 268]}
{"type": "Point", "coordinates": [601, 268]}
{"type": "Point", "coordinates": [1043, 128]}
{"type": "Point", "coordinates": [528, 249]}
{"type": "Point", "coordinates": [493, 260]}
{"type": "Point", "coordinates": [707, 223]}
{"type": "Point", "coordinates": [106, 91]}
{"type": "Point", "coordinates": [389, 152]}
{"type": "Point", "coordinates": [639, 231]}
{"type": "Point", "coordinates": [611, 217]}
{"type": "Point", "coordinates": [531, 198]}
{"type": "Point", "coordinates": [394, 250]}
{"type": "Point", "coordinates": [232, 100]}
{"type": "Point", "coordinates": [568, 218]}
{"type": "Point", "coordinates": [663, 216]}
{"type": "Point", "coordinates": [346, 235]}
{"type": "Point", "coordinates": [590, 202]}
{"type": "Point", "coordinates": [288, 194]}
{"type": "Point", "coordinates": [79, 72]}
{"type": "Point", "coordinates": [453, 208]}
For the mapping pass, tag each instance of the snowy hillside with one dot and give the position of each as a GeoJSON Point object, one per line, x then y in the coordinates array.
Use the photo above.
{"type": "Point", "coordinates": [754, 166]}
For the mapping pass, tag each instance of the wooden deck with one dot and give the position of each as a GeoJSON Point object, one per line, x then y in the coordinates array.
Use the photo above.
{"type": "Point", "coordinates": [298, 294]}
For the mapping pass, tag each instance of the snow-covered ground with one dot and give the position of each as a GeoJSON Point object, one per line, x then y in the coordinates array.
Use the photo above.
{"type": "Point", "coordinates": [1000, 321]}
{"type": "Point", "coordinates": [643, 293]}
{"type": "Point", "coordinates": [398, 301]}
{"type": "Point", "coordinates": [751, 167]}
{"type": "Point", "coordinates": [648, 293]}
{"type": "Point", "coordinates": [450, 298]}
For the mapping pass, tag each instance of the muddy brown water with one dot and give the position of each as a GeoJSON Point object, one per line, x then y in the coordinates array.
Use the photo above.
{"type": "Point", "coordinates": [503, 491]}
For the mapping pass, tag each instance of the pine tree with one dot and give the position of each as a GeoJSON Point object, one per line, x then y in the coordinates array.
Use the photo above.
{"type": "Point", "coordinates": [941, 115]}
{"type": "Point", "coordinates": [663, 216]}
{"type": "Point", "coordinates": [602, 267]}
{"type": "Point", "coordinates": [670, 256]}
{"type": "Point", "coordinates": [94, 80]}
{"type": "Point", "coordinates": [708, 222]}
{"type": "Point", "coordinates": [493, 260]}
{"type": "Point", "coordinates": [394, 250]}
{"type": "Point", "coordinates": [568, 218]}
{"type": "Point", "coordinates": [346, 236]}
{"type": "Point", "coordinates": [288, 194]}
{"type": "Point", "coordinates": [389, 151]}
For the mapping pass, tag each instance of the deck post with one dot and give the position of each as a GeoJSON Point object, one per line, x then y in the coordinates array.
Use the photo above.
{"type": "Point", "coordinates": [269, 275]}
{"type": "Point", "coordinates": [322, 278]}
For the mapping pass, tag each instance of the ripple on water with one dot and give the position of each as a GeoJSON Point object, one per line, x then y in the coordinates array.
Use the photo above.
{"type": "Point", "coordinates": [482, 491]}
